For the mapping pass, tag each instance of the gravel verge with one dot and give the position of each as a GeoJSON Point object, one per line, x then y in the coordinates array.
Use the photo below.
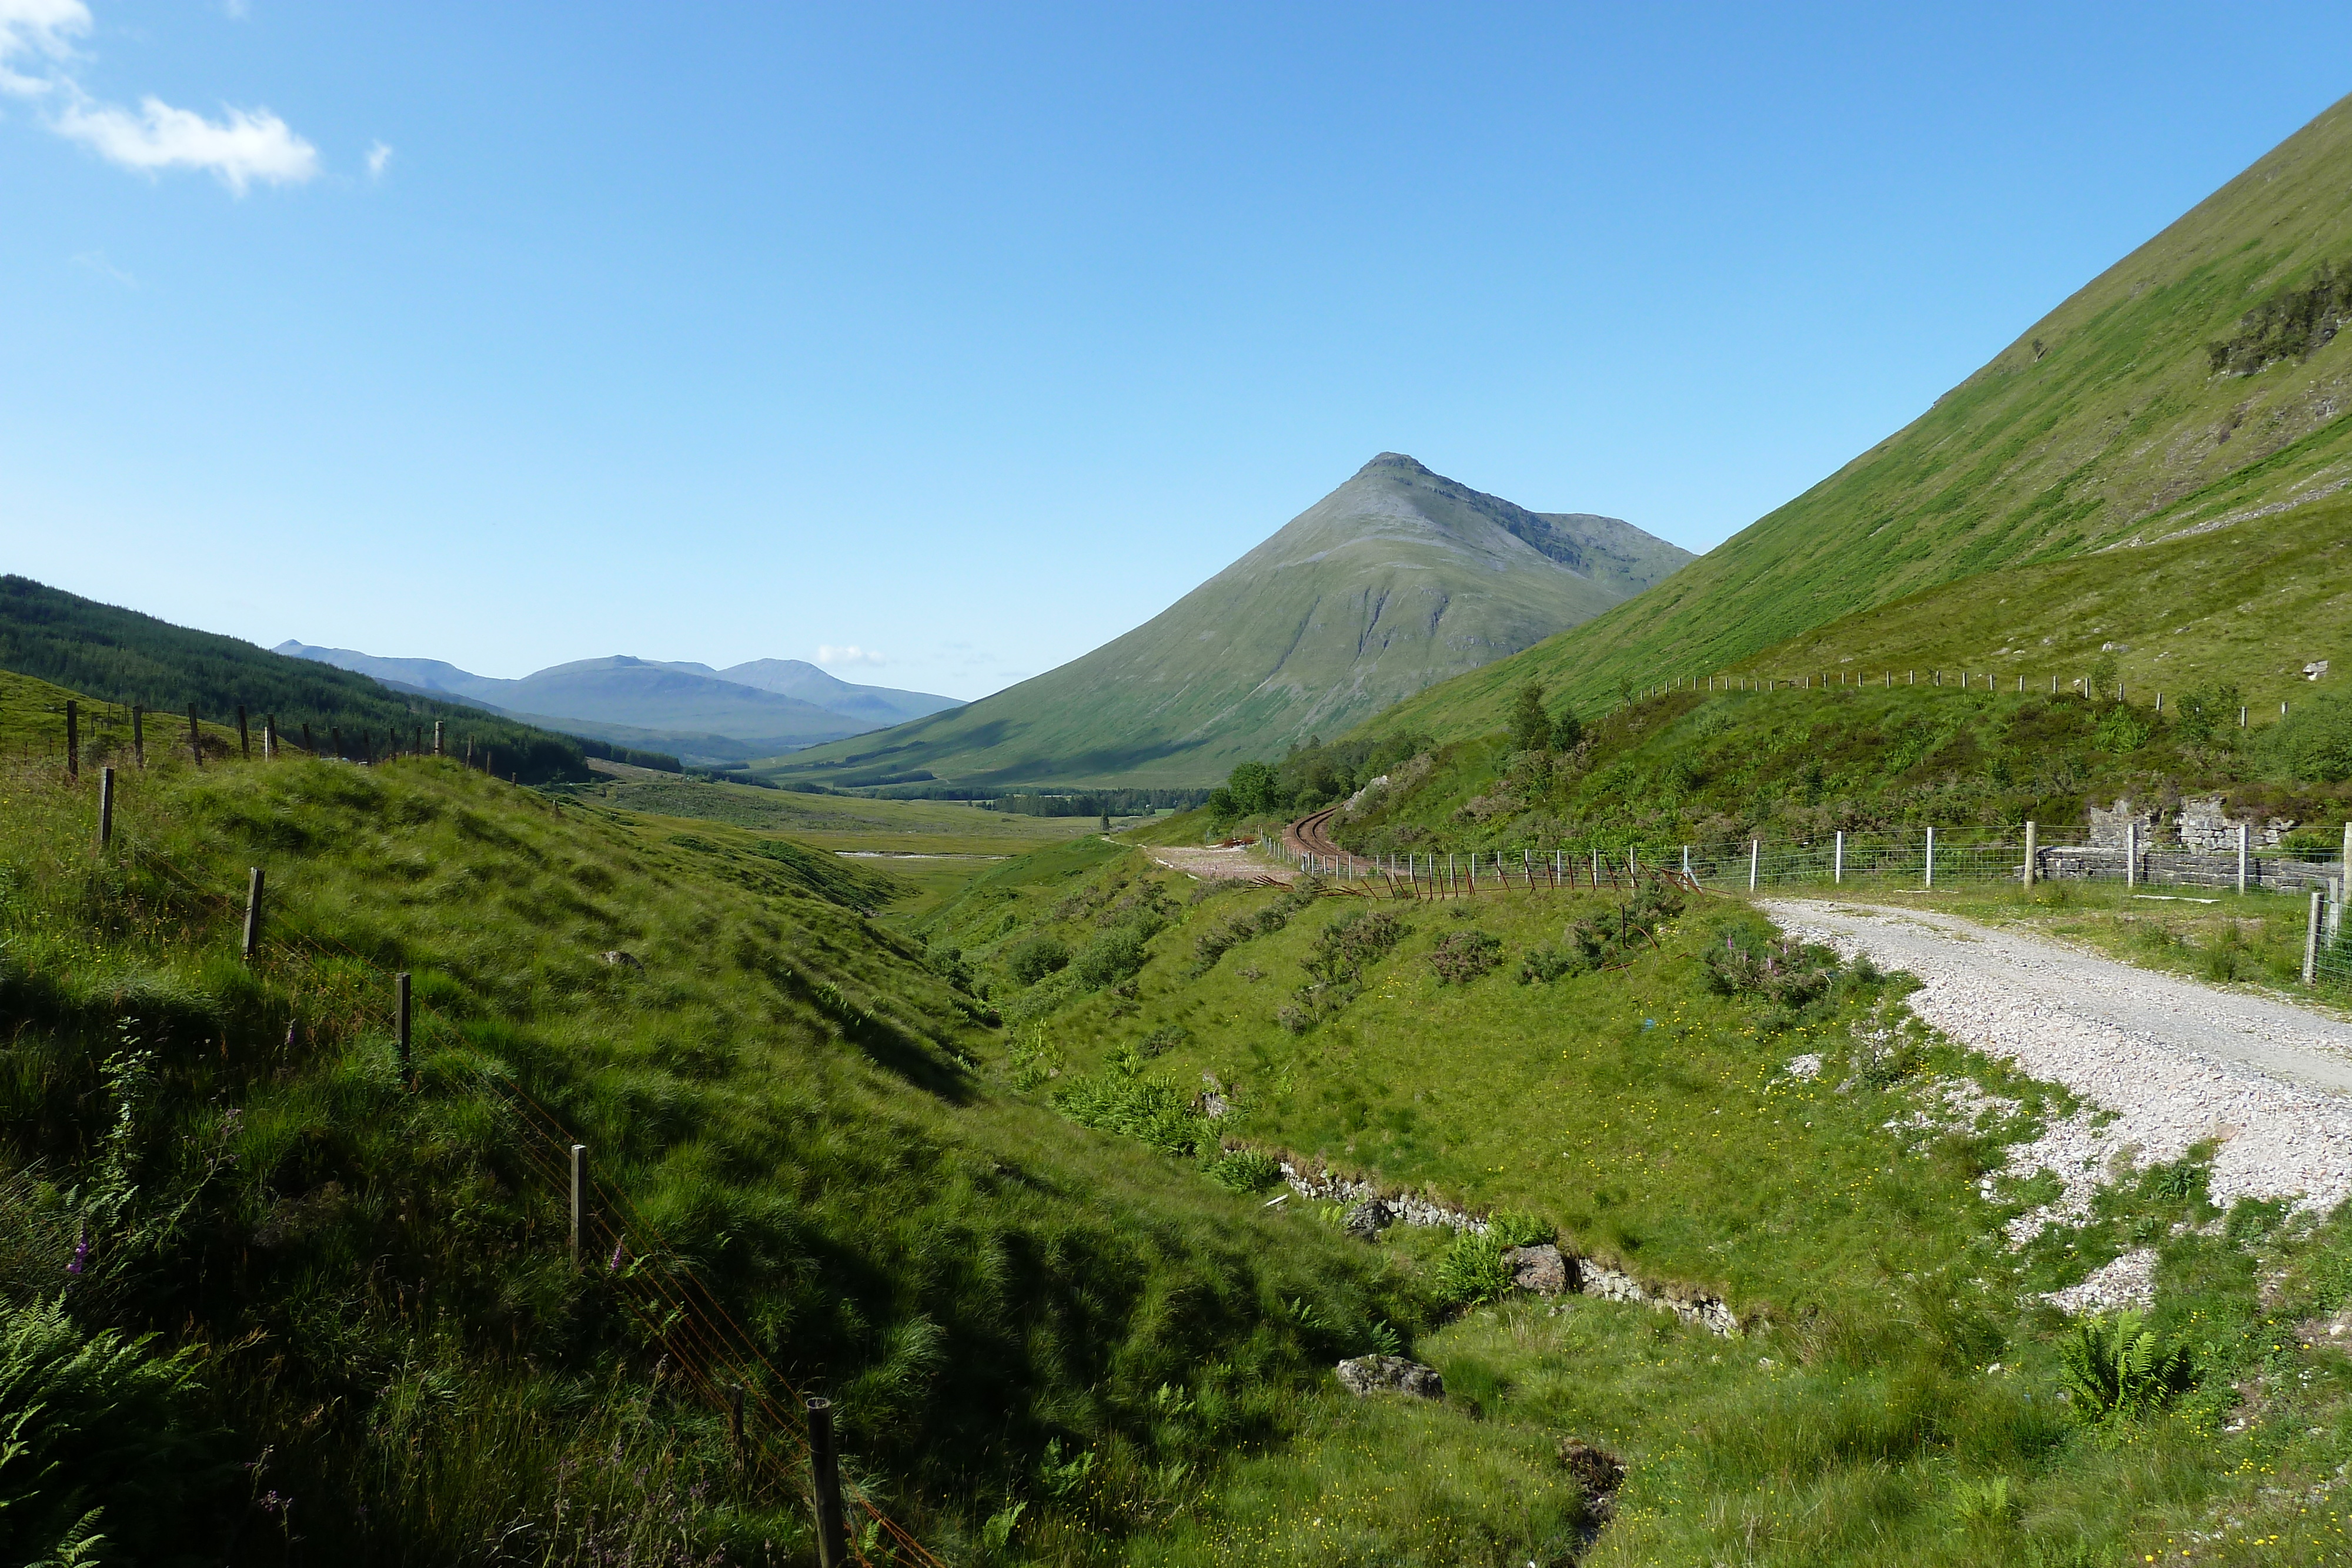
{"type": "Point", "coordinates": [2178, 1062]}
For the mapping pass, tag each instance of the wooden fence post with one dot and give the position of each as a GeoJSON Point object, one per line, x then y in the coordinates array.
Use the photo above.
{"type": "Point", "coordinates": [73, 738]}
{"type": "Point", "coordinates": [270, 737]}
{"type": "Point", "coordinates": [252, 911]}
{"type": "Point", "coordinates": [824, 1481]}
{"type": "Point", "coordinates": [400, 1025]}
{"type": "Point", "coordinates": [138, 734]}
{"type": "Point", "coordinates": [436, 737]}
{"type": "Point", "coordinates": [579, 1195]}
{"type": "Point", "coordinates": [2131, 854]}
{"type": "Point", "coordinates": [2032, 871]}
{"type": "Point", "coordinates": [244, 736]}
{"type": "Point", "coordinates": [195, 738]}
{"type": "Point", "coordinates": [2245, 852]}
{"type": "Point", "coordinates": [308, 749]}
{"type": "Point", "coordinates": [105, 807]}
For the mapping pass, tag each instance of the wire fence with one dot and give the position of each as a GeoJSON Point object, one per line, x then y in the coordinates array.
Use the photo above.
{"type": "Point", "coordinates": [1922, 859]}
{"type": "Point", "coordinates": [616, 1243]}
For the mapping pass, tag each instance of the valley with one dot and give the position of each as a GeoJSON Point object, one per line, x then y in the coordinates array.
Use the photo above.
{"type": "Point", "coordinates": [1474, 1037]}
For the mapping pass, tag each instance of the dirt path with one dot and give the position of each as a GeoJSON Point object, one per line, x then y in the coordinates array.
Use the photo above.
{"type": "Point", "coordinates": [2177, 1061]}
{"type": "Point", "coordinates": [1240, 863]}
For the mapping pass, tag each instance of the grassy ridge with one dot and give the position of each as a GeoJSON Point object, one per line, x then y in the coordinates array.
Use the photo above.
{"type": "Point", "coordinates": [123, 657]}
{"type": "Point", "coordinates": [2102, 423]}
{"type": "Point", "coordinates": [372, 1279]}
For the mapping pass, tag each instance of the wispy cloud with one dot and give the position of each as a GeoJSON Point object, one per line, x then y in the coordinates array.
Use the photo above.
{"type": "Point", "coordinates": [378, 157]}
{"type": "Point", "coordinates": [95, 260]}
{"type": "Point", "coordinates": [39, 34]}
{"type": "Point", "coordinates": [849, 654]}
{"type": "Point", "coordinates": [36, 58]}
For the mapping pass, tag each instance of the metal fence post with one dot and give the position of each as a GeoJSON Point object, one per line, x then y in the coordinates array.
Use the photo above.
{"type": "Point", "coordinates": [1837, 865]}
{"type": "Point", "coordinates": [2311, 938]}
{"type": "Point", "coordinates": [1755, 859]}
{"type": "Point", "coordinates": [1931, 857]}
{"type": "Point", "coordinates": [2131, 854]}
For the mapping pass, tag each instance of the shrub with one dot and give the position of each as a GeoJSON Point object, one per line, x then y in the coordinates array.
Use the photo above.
{"type": "Point", "coordinates": [1035, 959]}
{"type": "Point", "coordinates": [1462, 956]}
{"type": "Point", "coordinates": [1515, 1228]}
{"type": "Point", "coordinates": [1150, 1109]}
{"type": "Point", "coordinates": [1471, 1270]}
{"type": "Point", "coordinates": [94, 1444]}
{"type": "Point", "coordinates": [2123, 730]}
{"type": "Point", "coordinates": [1161, 1041]}
{"type": "Point", "coordinates": [1246, 1170]}
{"type": "Point", "coordinates": [1343, 949]}
{"type": "Point", "coordinates": [1546, 964]}
{"type": "Point", "coordinates": [1110, 957]}
{"type": "Point", "coordinates": [2116, 1369]}
{"type": "Point", "coordinates": [1781, 970]}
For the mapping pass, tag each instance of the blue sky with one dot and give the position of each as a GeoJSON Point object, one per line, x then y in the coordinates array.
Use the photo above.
{"type": "Point", "coordinates": [968, 337]}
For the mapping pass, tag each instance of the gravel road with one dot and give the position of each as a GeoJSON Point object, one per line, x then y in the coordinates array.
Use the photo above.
{"type": "Point", "coordinates": [2177, 1061]}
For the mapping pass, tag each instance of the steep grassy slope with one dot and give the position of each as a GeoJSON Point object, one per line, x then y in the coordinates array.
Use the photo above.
{"type": "Point", "coordinates": [371, 1275]}
{"type": "Point", "coordinates": [125, 657]}
{"type": "Point", "coordinates": [2104, 421]}
{"type": "Point", "coordinates": [1896, 1398]}
{"type": "Point", "coordinates": [1397, 578]}
{"type": "Point", "coordinates": [2254, 606]}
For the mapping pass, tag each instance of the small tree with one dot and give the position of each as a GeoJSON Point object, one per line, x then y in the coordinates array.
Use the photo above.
{"type": "Point", "coordinates": [1567, 731]}
{"type": "Point", "coordinates": [1530, 725]}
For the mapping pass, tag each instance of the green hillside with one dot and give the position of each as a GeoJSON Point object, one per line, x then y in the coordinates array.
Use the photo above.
{"type": "Point", "coordinates": [125, 657]}
{"type": "Point", "coordinates": [1397, 578]}
{"type": "Point", "coordinates": [2197, 384]}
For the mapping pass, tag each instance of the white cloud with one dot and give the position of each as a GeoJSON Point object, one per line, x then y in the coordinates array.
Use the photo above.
{"type": "Point", "coordinates": [235, 10]}
{"type": "Point", "coordinates": [248, 145]}
{"type": "Point", "coordinates": [377, 157]}
{"type": "Point", "coordinates": [850, 654]}
{"type": "Point", "coordinates": [241, 147]}
{"type": "Point", "coordinates": [40, 32]}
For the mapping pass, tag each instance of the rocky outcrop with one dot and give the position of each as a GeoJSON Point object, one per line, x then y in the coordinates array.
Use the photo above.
{"type": "Point", "coordinates": [1540, 1269]}
{"type": "Point", "coordinates": [1390, 1375]}
{"type": "Point", "coordinates": [1533, 1269]}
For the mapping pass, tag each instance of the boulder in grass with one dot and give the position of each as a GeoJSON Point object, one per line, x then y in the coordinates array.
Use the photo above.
{"type": "Point", "coordinates": [1368, 1219]}
{"type": "Point", "coordinates": [1541, 1269]}
{"type": "Point", "coordinates": [1390, 1375]}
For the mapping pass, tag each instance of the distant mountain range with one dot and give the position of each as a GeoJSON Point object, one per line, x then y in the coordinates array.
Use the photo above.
{"type": "Point", "coordinates": [755, 709]}
{"type": "Point", "coordinates": [1399, 579]}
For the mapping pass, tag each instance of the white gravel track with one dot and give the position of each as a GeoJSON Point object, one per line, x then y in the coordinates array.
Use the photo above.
{"type": "Point", "coordinates": [2177, 1061]}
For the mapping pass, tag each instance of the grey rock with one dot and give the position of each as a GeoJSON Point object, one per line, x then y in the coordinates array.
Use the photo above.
{"type": "Point", "coordinates": [620, 960]}
{"type": "Point", "coordinates": [1368, 1219]}
{"type": "Point", "coordinates": [1390, 1375]}
{"type": "Point", "coordinates": [1213, 1106]}
{"type": "Point", "coordinates": [2314, 669]}
{"type": "Point", "coordinates": [1539, 1269]}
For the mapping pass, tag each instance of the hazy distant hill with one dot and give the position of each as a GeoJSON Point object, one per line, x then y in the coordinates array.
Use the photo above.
{"type": "Point", "coordinates": [758, 708]}
{"type": "Point", "coordinates": [1398, 579]}
{"type": "Point", "coordinates": [2200, 383]}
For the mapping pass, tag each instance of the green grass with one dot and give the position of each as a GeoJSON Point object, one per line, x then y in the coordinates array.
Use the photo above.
{"type": "Point", "coordinates": [1717, 768]}
{"type": "Point", "coordinates": [1649, 1119]}
{"type": "Point", "coordinates": [1071, 1332]}
{"type": "Point", "coordinates": [2101, 424]}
